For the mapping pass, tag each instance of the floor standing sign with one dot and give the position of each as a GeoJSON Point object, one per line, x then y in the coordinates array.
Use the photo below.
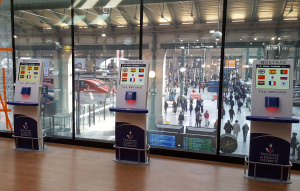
{"type": "Point", "coordinates": [271, 118]}
{"type": "Point", "coordinates": [27, 127]}
{"type": "Point", "coordinates": [130, 132]}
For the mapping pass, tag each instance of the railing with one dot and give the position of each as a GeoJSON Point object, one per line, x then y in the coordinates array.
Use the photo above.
{"type": "Point", "coordinates": [32, 140]}
{"type": "Point", "coordinates": [247, 162]}
{"type": "Point", "coordinates": [147, 150]}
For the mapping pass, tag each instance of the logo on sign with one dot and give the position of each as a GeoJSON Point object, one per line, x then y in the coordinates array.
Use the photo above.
{"type": "Point", "coordinates": [130, 136]}
{"type": "Point", "coordinates": [25, 126]}
{"type": "Point", "coordinates": [270, 149]}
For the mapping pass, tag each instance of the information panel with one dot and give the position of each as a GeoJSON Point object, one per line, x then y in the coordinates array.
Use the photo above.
{"type": "Point", "coordinates": [162, 140]}
{"type": "Point", "coordinates": [132, 74]}
{"type": "Point", "coordinates": [195, 143]}
{"type": "Point", "coordinates": [272, 77]}
{"type": "Point", "coordinates": [29, 72]}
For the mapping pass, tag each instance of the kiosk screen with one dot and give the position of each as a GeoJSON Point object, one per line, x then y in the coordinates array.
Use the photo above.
{"type": "Point", "coordinates": [273, 77]}
{"type": "Point", "coordinates": [133, 74]}
{"type": "Point", "coordinates": [29, 72]}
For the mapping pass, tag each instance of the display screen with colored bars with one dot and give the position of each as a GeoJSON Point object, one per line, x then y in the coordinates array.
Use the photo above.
{"type": "Point", "coordinates": [273, 77]}
{"type": "Point", "coordinates": [133, 74]}
{"type": "Point", "coordinates": [29, 72]}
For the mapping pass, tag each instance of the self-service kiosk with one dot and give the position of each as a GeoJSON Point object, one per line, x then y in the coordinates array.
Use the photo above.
{"type": "Point", "coordinates": [130, 133]}
{"type": "Point", "coordinates": [27, 127]}
{"type": "Point", "coordinates": [271, 119]}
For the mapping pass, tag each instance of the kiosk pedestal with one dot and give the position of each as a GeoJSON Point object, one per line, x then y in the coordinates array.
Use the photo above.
{"type": "Point", "coordinates": [27, 127]}
{"type": "Point", "coordinates": [271, 121]}
{"type": "Point", "coordinates": [130, 133]}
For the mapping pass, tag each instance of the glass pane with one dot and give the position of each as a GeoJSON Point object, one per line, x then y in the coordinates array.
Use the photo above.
{"type": "Point", "coordinates": [6, 63]}
{"type": "Point", "coordinates": [104, 35]}
{"type": "Point", "coordinates": [44, 33]}
{"type": "Point", "coordinates": [268, 30]}
{"type": "Point", "coordinates": [185, 52]}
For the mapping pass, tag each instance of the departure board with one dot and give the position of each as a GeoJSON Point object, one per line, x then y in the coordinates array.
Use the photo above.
{"type": "Point", "coordinates": [197, 143]}
{"type": "Point", "coordinates": [162, 140]}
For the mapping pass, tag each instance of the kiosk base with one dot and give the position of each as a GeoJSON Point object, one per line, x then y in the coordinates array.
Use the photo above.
{"type": "Point", "coordinates": [23, 149]}
{"type": "Point", "coordinates": [288, 181]}
{"type": "Point", "coordinates": [283, 179]}
{"type": "Point", "coordinates": [133, 162]}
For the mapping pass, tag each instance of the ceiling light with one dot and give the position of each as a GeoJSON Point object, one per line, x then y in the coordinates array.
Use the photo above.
{"type": "Point", "coordinates": [164, 23]}
{"type": "Point", "coordinates": [15, 36]}
{"type": "Point", "coordinates": [279, 38]}
{"type": "Point", "coordinates": [211, 21]}
{"type": "Point", "coordinates": [48, 28]}
{"type": "Point", "coordinates": [197, 40]}
{"type": "Point", "coordinates": [144, 25]}
{"type": "Point", "coordinates": [211, 31]}
{"type": "Point", "coordinates": [241, 39]}
{"type": "Point", "coordinates": [238, 21]}
{"type": "Point", "coordinates": [290, 19]}
{"type": "Point", "coordinates": [255, 38]}
{"type": "Point", "coordinates": [121, 26]}
{"type": "Point", "coordinates": [103, 35]}
{"type": "Point", "coordinates": [265, 19]}
{"type": "Point", "coordinates": [188, 23]}
{"type": "Point", "coordinates": [273, 38]}
{"type": "Point", "coordinates": [181, 40]}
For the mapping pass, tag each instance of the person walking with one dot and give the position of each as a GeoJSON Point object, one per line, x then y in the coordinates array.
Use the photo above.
{"type": "Point", "coordinates": [174, 106]}
{"type": "Point", "coordinates": [166, 106]}
{"type": "Point", "coordinates": [180, 118]}
{"type": "Point", "coordinates": [294, 143]}
{"type": "Point", "coordinates": [191, 107]}
{"type": "Point", "coordinates": [245, 131]}
{"type": "Point", "coordinates": [201, 105]}
{"type": "Point", "coordinates": [182, 105]}
{"type": "Point", "coordinates": [197, 109]}
{"type": "Point", "coordinates": [206, 117]}
{"type": "Point", "coordinates": [240, 104]}
{"type": "Point", "coordinates": [231, 104]}
{"type": "Point", "coordinates": [228, 127]}
{"type": "Point", "coordinates": [185, 104]}
{"type": "Point", "coordinates": [236, 129]}
{"type": "Point", "coordinates": [231, 114]}
{"type": "Point", "coordinates": [198, 119]}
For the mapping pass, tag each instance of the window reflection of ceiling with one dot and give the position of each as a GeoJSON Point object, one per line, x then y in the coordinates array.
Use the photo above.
{"type": "Point", "coordinates": [250, 19]}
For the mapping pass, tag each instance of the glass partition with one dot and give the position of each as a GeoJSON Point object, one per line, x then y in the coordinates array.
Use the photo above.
{"type": "Point", "coordinates": [256, 31]}
{"type": "Point", "coordinates": [104, 35]}
{"type": "Point", "coordinates": [44, 33]}
{"type": "Point", "coordinates": [6, 63]}
{"type": "Point", "coordinates": [185, 54]}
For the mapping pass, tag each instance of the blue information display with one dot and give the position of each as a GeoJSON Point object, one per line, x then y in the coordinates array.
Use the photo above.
{"type": "Point", "coordinates": [162, 140]}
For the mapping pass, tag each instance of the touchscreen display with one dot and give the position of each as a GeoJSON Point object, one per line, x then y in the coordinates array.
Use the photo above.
{"type": "Point", "coordinates": [29, 72]}
{"type": "Point", "coordinates": [133, 74]}
{"type": "Point", "coordinates": [273, 77]}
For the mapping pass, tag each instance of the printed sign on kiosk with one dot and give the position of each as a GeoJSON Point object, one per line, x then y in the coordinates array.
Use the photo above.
{"type": "Point", "coordinates": [27, 127]}
{"type": "Point", "coordinates": [131, 111]}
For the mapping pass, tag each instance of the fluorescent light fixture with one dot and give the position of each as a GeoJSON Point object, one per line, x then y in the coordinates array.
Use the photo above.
{"type": "Point", "coordinates": [164, 23]}
{"type": "Point", "coordinates": [273, 38]}
{"type": "Point", "coordinates": [211, 21]}
{"type": "Point", "coordinates": [83, 27]}
{"type": "Point", "coordinates": [144, 25]}
{"type": "Point", "coordinates": [238, 21]}
{"type": "Point", "coordinates": [103, 35]}
{"type": "Point", "coordinates": [212, 31]}
{"type": "Point", "coordinates": [265, 19]}
{"type": "Point", "coordinates": [121, 26]}
{"type": "Point", "coordinates": [188, 23]}
{"type": "Point", "coordinates": [100, 27]}
{"type": "Point", "coordinates": [48, 28]}
{"type": "Point", "coordinates": [290, 19]}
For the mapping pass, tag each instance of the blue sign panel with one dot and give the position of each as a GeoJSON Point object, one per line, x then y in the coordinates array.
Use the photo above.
{"type": "Point", "coordinates": [265, 148]}
{"type": "Point", "coordinates": [25, 127]}
{"type": "Point", "coordinates": [130, 136]}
